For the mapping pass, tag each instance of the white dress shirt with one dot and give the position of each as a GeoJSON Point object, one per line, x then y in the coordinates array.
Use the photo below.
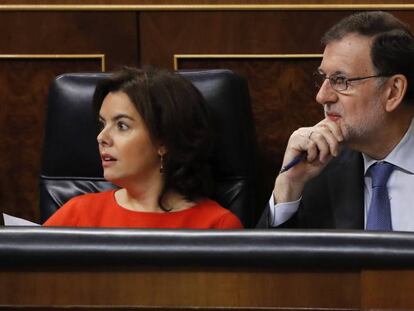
{"type": "Point", "coordinates": [400, 187]}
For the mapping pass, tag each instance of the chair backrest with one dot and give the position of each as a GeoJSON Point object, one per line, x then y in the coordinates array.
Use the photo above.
{"type": "Point", "coordinates": [71, 164]}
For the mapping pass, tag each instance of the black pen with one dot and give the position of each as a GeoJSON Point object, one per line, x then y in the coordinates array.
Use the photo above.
{"type": "Point", "coordinates": [294, 162]}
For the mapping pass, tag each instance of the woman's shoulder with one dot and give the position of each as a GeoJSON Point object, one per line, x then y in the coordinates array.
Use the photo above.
{"type": "Point", "coordinates": [91, 201]}
{"type": "Point", "coordinates": [223, 217]}
{"type": "Point", "coordinates": [79, 210]}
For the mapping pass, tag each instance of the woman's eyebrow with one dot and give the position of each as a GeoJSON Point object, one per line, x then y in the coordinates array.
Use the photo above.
{"type": "Point", "coordinates": [117, 117]}
{"type": "Point", "coordinates": [122, 116]}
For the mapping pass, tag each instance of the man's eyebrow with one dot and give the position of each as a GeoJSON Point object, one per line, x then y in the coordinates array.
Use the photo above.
{"type": "Point", "coordinates": [339, 73]}
{"type": "Point", "coordinates": [336, 73]}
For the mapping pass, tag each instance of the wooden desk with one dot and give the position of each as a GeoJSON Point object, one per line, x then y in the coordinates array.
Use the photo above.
{"type": "Point", "coordinates": [276, 270]}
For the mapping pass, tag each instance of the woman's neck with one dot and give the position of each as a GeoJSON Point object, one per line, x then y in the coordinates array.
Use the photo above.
{"type": "Point", "coordinates": [148, 200]}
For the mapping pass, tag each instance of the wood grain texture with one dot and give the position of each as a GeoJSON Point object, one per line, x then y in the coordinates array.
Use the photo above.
{"type": "Point", "coordinates": [164, 34]}
{"type": "Point", "coordinates": [113, 34]}
{"type": "Point", "coordinates": [387, 290]}
{"type": "Point", "coordinates": [22, 119]}
{"type": "Point", "coordinates": [24, 84]}
{"type": "Point", "coordinates": [205, 2]}
{"type": "Point", "coordinates": [181, 287]}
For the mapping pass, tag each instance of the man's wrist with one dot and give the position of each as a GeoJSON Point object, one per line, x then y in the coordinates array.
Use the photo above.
{"type": "Point", "coordinates": [286, 190]}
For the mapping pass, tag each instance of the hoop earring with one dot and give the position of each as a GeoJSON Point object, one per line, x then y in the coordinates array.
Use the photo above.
{"type": "Point", "coordinates": [162, 164]}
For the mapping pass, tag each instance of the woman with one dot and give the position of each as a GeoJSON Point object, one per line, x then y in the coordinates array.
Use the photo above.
{"type": "Point", "coordinates": [154, 144]}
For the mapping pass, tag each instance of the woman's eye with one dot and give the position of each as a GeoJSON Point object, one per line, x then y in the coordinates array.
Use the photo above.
{"type": "Point", "coordinates": [101, 125]}
{"type": "Point", "coordinates": [122, 126]}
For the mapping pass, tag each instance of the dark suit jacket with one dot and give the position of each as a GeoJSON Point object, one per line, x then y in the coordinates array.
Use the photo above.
{"type": "Point", "coordinates": [332, 200]}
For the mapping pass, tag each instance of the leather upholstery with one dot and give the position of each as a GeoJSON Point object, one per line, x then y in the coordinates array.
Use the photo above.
{"type": "Point", "coordinates": [71, 163]}
{"type": "Point", "coordinates": [258, 248]}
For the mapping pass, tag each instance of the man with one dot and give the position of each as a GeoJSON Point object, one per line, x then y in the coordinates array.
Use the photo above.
{"type": "Point", "coordinates": [366, 81]}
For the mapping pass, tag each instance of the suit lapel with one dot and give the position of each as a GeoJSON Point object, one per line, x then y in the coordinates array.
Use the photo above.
{"type": "Point", "coordinates": [347, 191]}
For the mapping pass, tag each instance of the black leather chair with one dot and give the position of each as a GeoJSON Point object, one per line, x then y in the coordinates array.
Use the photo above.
{"type": "Point", "coordinates": [71, 163]}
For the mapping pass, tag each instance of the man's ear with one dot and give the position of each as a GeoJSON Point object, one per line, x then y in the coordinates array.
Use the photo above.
{"type": "Point", "coordinates": [397, 88]}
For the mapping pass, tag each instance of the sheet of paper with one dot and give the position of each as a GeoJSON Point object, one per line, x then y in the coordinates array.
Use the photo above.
{"type": "Point", "coordinates": [15, 221]}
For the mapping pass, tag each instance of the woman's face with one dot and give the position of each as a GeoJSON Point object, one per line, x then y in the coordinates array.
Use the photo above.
{"type": "Point", "coordinates": [127, 152]}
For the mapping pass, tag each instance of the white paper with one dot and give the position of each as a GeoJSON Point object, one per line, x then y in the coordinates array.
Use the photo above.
{"type": "Point", "coordinates": [15, 221]}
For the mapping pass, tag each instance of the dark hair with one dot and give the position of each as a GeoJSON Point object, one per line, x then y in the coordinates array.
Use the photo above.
{"type": "Point", "coordinates": [392, 49]}
{"type": "Point", "coordinates": [175, 114]}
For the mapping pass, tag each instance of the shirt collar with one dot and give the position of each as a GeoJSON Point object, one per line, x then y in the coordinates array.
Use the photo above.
{"type": "Point", "coordinates": [401, 156]}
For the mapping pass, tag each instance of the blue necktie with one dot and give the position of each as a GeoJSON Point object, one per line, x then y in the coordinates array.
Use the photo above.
{"type": "Point", "coordinates": [379, 213]}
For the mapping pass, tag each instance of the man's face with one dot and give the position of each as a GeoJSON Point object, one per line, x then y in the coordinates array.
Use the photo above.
{"type": "Point", "coordinates": [359, 110]}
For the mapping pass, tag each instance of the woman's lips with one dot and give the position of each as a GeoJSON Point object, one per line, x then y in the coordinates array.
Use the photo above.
{"type": "Point", "coordinates": [107, 160]}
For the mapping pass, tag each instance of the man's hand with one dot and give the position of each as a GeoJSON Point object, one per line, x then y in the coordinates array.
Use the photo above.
{"type": "Point", "coordinates": [320, 143]}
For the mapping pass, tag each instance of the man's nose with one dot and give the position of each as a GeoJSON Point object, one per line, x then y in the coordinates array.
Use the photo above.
{"type": "Point", "coordinates": [326, 94]}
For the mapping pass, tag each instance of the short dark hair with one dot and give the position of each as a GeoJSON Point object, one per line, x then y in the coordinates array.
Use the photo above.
{"type": "Point", "coordinates": [175, 114]}
{"type": "Point", "coordinates": [392, 49]}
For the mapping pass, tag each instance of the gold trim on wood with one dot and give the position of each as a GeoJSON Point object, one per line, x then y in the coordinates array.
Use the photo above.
{"type": "Point", "coordinates": [177, 57]}
{"type": "Point", "coordinates": [202, 7]}
{"type": "Point", "coordinates": [100, 57]}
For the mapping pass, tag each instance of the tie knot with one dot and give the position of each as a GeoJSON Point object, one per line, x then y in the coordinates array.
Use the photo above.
{"type": "Point", "coordinates": [380, 172]}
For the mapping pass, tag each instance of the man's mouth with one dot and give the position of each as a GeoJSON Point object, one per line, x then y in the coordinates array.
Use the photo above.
{"type": "Point", "coordinates": [333, 116]}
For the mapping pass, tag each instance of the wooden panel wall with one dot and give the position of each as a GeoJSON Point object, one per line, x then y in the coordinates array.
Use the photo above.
{"type": "Point", "coordinates": [22, 117]}
{"type": "Point", "coordinates": [24, 84]}
{"type": "Point", "coordinates": [281, 88]}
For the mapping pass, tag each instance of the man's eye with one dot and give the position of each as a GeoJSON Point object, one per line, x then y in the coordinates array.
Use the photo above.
{"type": "Point", "coordinates": [339, 80]}
{"type": "Point", "coordinates": [122, 126]}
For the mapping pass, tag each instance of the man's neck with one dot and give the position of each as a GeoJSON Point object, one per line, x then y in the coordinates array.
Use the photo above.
{"type": "Point", "coordinates": [387, 138]}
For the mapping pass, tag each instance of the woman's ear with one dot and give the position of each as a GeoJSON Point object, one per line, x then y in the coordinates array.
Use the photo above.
{"type": "Point", "coordinates": [396, 92]}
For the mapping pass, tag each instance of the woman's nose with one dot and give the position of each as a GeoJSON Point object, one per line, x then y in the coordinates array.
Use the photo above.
{"type": "Point", "coordinates": [104, 137]}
